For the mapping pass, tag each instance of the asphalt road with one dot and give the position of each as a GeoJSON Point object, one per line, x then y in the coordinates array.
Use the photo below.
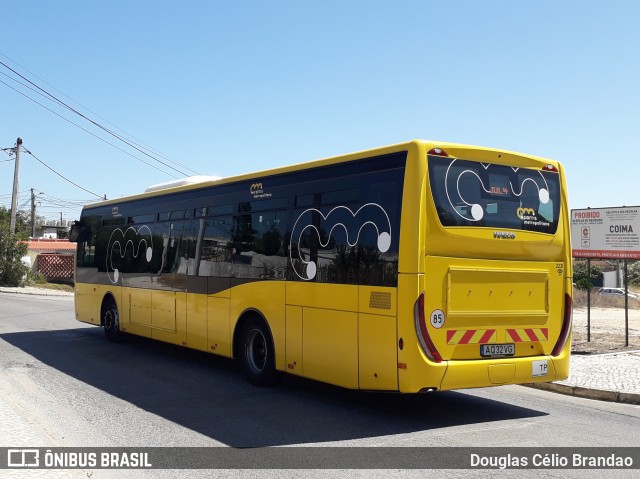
{"type": "Point", "coordinates": [73, 388]}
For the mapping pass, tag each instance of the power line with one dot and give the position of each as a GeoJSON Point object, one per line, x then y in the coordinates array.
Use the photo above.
{"type": "Point", "coordinates": [46, 203]}
{"type": "Point", "coordinates": [8, 195]}
{"type": "Point", "coordinates": [60, 175]}
{"type": "Point", "coordinates": [53, 199]}
{"type": "Point", "coordinates": [56, 100]}
{"type": "Point", "coordinates": [139, 142]}
{"type": "Point", "coordinates": [53, 98]}
{"type": "Point", "coordinates": [9, 152]}
{"type": "Point", "coordinates": [87, 131]}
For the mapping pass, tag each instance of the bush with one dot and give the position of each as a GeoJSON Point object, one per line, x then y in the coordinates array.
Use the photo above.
{"type": "Point", "coordinates": [36, 278]}
{"type": "Point", "coordinates": [633, 273]}
{"type": "Point", "coordinates": [13, 271]}
{"type": "Point", "coordinates": [580, 275]}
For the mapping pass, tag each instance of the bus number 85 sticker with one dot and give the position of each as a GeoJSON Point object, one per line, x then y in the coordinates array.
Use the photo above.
{"type": "Point", "coordinates": [437, 318]}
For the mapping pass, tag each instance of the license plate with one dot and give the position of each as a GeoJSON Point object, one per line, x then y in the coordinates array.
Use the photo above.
{"type": "Point", "coordinates": [497, 350]}
{"type": "Point", "coordinates": [539, 368]}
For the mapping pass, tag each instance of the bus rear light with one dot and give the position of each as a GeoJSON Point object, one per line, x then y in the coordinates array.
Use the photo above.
{"type": "Point", "coordinates": [423, 333]}
{"type": "Point", "coordinates": [437, 152]}
{"type": "Point", "coordinates": [566, 326]}
{"type": "Point", "coordinates": [550, 168]}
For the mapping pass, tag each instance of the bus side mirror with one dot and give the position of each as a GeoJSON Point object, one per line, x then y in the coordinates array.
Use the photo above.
{"type": "Point", "coordinates": [79, 232]}
{"type": "Point", "coordinates": [74, 232]}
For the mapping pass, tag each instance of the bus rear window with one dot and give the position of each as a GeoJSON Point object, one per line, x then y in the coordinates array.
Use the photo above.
{"type": "Point", "coordinates": [470, 193]}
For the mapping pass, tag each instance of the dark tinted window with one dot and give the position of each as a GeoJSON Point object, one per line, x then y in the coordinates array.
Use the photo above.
{"type": "Point", "coordinates": [128, 251]}
{"type": "Point", "coordinates": [221, 210]}
{"type": "Point", "coordinates": [470, 193]}
{"type": "Point", "coordinates": [350, 242]}
{"type": "Point", "coordinates": [344, 218]}
{"type": "Point", "coordinates": [142, 219]}
{"type": "Point", "coordinates": [214, 248]}
{"type": "Point", "coordinates": [328, 198]}
{"type": "Point", "coordinates": [87, 235]}
{"type": "Point", "coordinates": [178, 215]}
{"type": "Point", "coordinates": [258, 245]}
{"type": "Point", "coordinates": [261, 205]}
{"type": "Point", "coordinates": [113, 221]}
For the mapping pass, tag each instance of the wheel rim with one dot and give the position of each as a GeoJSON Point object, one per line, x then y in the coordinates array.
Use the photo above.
{"type": "Point", "coordinates": [111, 320]}
{"type": "Point", "coordinates": [256, 351]}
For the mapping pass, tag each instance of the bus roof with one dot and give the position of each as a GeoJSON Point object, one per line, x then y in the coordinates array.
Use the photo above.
{"type": "Point", "coordinates": [185, 184]}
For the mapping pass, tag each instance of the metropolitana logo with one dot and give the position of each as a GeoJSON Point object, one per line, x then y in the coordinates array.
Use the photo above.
{"type": "Point", "coordinates": [523, 212]}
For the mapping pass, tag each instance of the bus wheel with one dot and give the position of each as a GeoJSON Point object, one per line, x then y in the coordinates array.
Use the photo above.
{"type": "Point", "coordinates": [257, 357]}
{"type": "Point", "coordinates": [111, 320]}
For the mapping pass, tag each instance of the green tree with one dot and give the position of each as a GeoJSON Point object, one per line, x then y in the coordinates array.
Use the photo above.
{"type": "Point", "coordinates": [23, 228]}
{"type": "Point", "coordinates": [580, 275]}
{"type": "Point", "coordinates": [12, 249]}
{"type": "Point", "coordinates": [633, 273]}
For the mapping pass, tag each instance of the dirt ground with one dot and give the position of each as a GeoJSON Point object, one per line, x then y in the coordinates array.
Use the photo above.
{"type": "Point", "coordinates": [607, 330]}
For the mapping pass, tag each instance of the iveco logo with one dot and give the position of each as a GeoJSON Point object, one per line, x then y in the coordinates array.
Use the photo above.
{"type": "Point", "coordinates": [504, 235]}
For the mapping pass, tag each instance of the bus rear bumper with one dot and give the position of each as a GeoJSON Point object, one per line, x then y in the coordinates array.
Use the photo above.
{"type": "Point", "coordinates": [497, 372]}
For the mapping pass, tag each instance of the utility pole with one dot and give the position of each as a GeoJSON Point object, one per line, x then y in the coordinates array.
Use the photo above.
{"type": "Point", "coordinates": [14, 198]}
{"type": "Point", "coordinates": [33, 214]}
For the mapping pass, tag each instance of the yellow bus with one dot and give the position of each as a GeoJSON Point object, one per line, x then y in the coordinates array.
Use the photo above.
{"type": "Point", "coordinates": [413, 267]}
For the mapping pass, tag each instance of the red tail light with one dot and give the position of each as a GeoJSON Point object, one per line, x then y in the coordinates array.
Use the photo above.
{"type": "Point", "coordinates": [550, 168]}
{"type": "Point", "coordinates": [437, 152]}
{"type": "Point", "coordinates": [423, 334]}
{"type": "Point", "coordinates": [566, 326]}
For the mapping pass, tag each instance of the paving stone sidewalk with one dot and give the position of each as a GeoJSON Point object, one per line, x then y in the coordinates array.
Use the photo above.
{"type": "Point", "coordinates": [35, 291]}
{"type": "Point", "coordinates": [606, 377]}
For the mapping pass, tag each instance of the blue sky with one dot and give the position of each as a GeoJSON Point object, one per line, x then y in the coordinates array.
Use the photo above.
{"type": "Point", "coordinates": [228, 87]}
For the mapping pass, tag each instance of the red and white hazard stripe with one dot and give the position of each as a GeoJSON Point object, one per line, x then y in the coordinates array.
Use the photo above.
{"type": "Point", "coordinates": [524, 335]}
{"type": "Point", "coordinates": [471, 336]}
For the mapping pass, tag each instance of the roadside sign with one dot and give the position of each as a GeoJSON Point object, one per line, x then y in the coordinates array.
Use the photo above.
{"type": "Point", "coordinates": [606, 233]}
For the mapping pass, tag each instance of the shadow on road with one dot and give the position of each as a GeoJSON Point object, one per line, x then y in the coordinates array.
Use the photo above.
{"type": "Point", "coordinates": [207, 394]}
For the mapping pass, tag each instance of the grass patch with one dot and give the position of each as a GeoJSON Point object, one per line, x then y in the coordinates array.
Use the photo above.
{"type": "Point", "coordinates": [602, 300]}
{"type": "Point", "coordinates": [54, 286]}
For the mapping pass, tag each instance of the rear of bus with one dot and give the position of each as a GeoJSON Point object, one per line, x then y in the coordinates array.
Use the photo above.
{"type": "Point", "coordinates": [493, 301]}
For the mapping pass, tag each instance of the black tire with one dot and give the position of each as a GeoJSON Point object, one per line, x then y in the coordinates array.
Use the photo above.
{"type": "Point", "coordinates": [110, 319]}
{"type": "Point", "coordinates": [257, 354]}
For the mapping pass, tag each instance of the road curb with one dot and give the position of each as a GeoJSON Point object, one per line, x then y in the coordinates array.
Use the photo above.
{"type": "Point", "coordinates": [597, 394]}
{"type": "Point", "coordinates": [35, 292]}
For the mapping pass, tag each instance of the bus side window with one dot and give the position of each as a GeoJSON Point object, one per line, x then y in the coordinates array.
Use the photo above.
{"type": "Point", "coordinates": [169, 236]}
{"type": "Point", "coordinates": [86, 239]}
{"type": "Point", "coordinates": [258, 244]}
{"type": "Point", "coordinates": [214, 247]}
{"type": "Point", "coordinates": [188, 246]}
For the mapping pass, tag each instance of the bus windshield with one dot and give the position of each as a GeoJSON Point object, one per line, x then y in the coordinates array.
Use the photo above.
{"type": "Point", "coordinates": [471, 193]}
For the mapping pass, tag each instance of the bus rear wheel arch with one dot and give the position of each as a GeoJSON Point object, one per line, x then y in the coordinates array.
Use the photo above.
{"type": "Point", "coordinates": [110, 319]}
{"type": "Point", "coordinates": [255, 352]}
